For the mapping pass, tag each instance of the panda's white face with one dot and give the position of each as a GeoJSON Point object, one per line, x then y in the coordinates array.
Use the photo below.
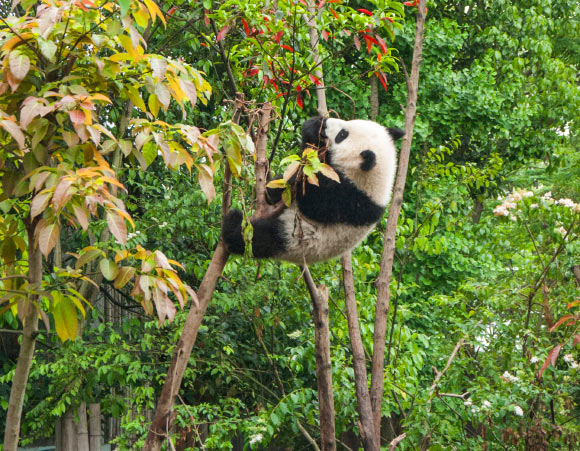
{"type": "Point", "coordinates": [364, 151]}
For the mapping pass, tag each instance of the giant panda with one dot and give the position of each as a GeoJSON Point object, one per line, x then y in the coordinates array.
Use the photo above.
{"type": "Point", "coordinates": [327, 220]}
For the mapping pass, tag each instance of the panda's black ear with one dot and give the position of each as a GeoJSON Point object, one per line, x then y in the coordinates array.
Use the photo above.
{"type": "Point", "coordinates": [396, 133]}
{"type": "Point", "coordinates": [313, 132]}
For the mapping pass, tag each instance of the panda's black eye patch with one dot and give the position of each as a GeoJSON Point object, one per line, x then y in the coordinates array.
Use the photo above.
{"type": "Point", "coordinates": [342, 135]}
{"type": "Point", "coordinates": [369, 160]}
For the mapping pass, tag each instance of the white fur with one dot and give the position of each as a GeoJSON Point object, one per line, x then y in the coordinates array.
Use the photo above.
{"type": "Point", "coordinates": [310, 241]}
{"type": "Point", "coordinates": [365, 135]}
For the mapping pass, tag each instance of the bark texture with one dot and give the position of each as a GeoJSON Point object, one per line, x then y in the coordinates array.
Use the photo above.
{"type": "Point", "coordinates": [26, 353]}
{"type": "Point", "coordinates": [383, 292]}
{"type": "Point", "coordinates": [364, 409]}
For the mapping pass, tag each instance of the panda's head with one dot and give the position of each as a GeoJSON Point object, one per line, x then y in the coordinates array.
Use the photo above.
{"type": "Point", "coordinates": [363, 151]}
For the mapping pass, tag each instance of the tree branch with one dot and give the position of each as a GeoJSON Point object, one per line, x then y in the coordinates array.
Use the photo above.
{"type": "Point", "coordinates": [383, 292]}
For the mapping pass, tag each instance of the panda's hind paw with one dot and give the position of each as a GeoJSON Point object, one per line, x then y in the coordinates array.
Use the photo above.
{"type": "Point", "coordinates": [232, 232]}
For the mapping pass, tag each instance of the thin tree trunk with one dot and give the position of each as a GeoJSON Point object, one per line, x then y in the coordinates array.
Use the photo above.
{"type": "Point", "coordinates": [26, 353]}
{"type": "Point", "coordinates": [82, 428]}
{"type": "Point", "coordinates": [383, 292]}
{"type": "Point", "coordinates": [69, 437]}
{"type": "Point", "coordinates": [95, 430]}
{"type": "Point", "coordinates": [374, 98]}
{"type": "Point", "coordinates": [364, 409]}
{"type": "Point", "coordinates": [319, 296]}
{"type": "Point", "coordinates": [164, 414]}
{"type": "Point", "coordinates": [314, 39]}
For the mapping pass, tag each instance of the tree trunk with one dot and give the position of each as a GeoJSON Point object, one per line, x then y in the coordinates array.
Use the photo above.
{"type": "Point", "coordinates": [95, 431]}
{"type": "Point", "coordinates": [24, 362]}
{"type": "Point", "coordinates": [374, 98]}
{"type": "Point", "coordinates": [383, 293]}
{"type": "Point", "coordinates": [164, 415]}
{"type": "Point", "coordinates": [82, 428]}
{"type": "Point", "coordinates": [319, 296]}
{"type": "Point", "coordinates": [364, 409]}
{"type": "Point", "coordinates": [69, 436]}
{"type": "Point", "coordinates": [477, 210]}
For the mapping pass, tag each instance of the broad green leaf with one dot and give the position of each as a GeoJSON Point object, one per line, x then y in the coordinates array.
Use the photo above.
{"type": "Point", "coordinates": [108, 268]}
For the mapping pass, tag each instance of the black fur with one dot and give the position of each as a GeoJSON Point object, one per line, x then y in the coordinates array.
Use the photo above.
{"type": "Point", "coordinates": [268, 240]}
{"type": "Point", "coordinates": [313, 133]}
{"type": "Point", "coordinates": [341, 136]}
{"type": "Point", "coordinates": [369, 160]}
{"type": "Point", "coordinates": [396, 133]}
{"type": "Point", "coordinates": [337, 203]}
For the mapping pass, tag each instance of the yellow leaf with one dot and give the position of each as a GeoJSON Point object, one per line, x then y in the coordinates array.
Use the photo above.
{"type": "Point", "coordinates": [134, 96]}
{"type": "Point", "coordinates": [10, 43]}
{"type": "Point", "coordinates": [127, 45]}
{"type": "Point", "coordinates": [154, 11]}
{"type": "Point", "coordinates": [153, 104]}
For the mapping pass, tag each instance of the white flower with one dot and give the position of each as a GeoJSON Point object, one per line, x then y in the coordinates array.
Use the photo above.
{"type": "Point", "coordinates": [513, 218]}
{"type": "Point", "coordinates": [256, 439]}
{"type": "Point", "coordinates": [518, 411]}
{"type": "Point", "coordinates": [562, 231]}
{"type": "Point", "coordinates": [534, 359]}
{"type": "Point", "coordinates": [568, 358]}
{"type": "Point", "coordinates": [534, 206]}
{"type": "Point", "coordinates": [547, 196]}
{"type": "Point", "coordinates": [566, 202]}
{"type": "Point", "coordinates": [164, 224]}
{"type": "Point", "coordinates": [500, 210]}
{"type": "Point", "coordinates": [528, 193]}
{"type": "Point", "coordinates": [467, 403]}
{"type": "Point", "coordinates": [297, 333]}
{"type": "Point", "coordinates": [574, 365]}
{"type": "Point", "coordinates": [486, 404]}
{"type": "Point", "coordinates": [516, 196]}
{"type": "Point", "coordinates": [508, 377]}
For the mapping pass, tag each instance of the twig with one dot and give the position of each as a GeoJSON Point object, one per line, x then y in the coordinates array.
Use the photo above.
{"type": "Point", "coordinates": [396, 441]}
{"type": "Point", "coordinates": [439, 375]}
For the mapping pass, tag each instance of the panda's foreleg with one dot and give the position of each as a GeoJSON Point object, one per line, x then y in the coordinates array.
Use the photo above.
{"type": "Point", "coordinates": [267, 241]}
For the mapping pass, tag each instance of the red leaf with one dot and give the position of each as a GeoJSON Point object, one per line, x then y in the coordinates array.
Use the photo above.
{"type": "Point", "coordinates": [287, 47]}
{"type": "Point", "coordinates": [172, 10]}
{"type": "Point", "coordinates": [561, 321]}
{"type": "Point", "coordinates": [576, 340]}
{"type": "Point", "coordinates": [389, 19]}
{"type": "Point", "coordinates": [246, 28]}
{"type": "Point", "coordinates": [206, 19]}
{"type": "Point", "coordinates": [314, 79]}
{"type": "Point", "coordinates": [77, 116]}
{"type": "Point", "coordinates": [382, 80]}
{"type": "Point", "coordinates": [356, 42]}
{"type": "Point", "coordinates": [325, 35]}
{"type": "Point", "coordinates": [370, 41]}
{"type": "Point", "coordinates": [382, 43]}
{"type": "Point", "coordinates": [365, 11]}
{"type": "Point", "coordinates": [552, 356]}
{"type": "Point", "coordinates": [278, 36]}
{"type": "Point", "coordinates": [299, 100]}
{"type": "Point", "coordinates": [347, 32]}
{"type": "Point", "coordinates": [333, 13]}
{"type": "Point", "coordinates": [222, 33]}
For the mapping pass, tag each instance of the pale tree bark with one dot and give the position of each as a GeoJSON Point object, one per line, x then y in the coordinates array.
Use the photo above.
{"type": "Point", "coordinates": [319, 295]}
{"type": "Point", "coordinates": [26, 353]}
{"type": "Point", "coordinates": [314, 39]}
{"type": "Point", "coordinates": [383, 291]}
{"type": "Point", "coordinates": [370, 439]}
{"type": "Point", "coordinates": [95, 430]}
{"type": "Point", "coordinates": [374, 97]}
{"type": "Point", "coordinates": [82, 428]}
{"type": "Point", "coordinates": [164, 413]}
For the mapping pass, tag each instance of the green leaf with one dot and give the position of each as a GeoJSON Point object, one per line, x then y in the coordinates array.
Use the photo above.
{"type": "Point", "coordinates": [124, 4]}
{"type": "Point", "coordinates": [109, 268]}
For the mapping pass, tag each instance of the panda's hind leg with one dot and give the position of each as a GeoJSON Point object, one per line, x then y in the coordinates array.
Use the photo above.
{"type": "Point", "coordinates": [267, 241]}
